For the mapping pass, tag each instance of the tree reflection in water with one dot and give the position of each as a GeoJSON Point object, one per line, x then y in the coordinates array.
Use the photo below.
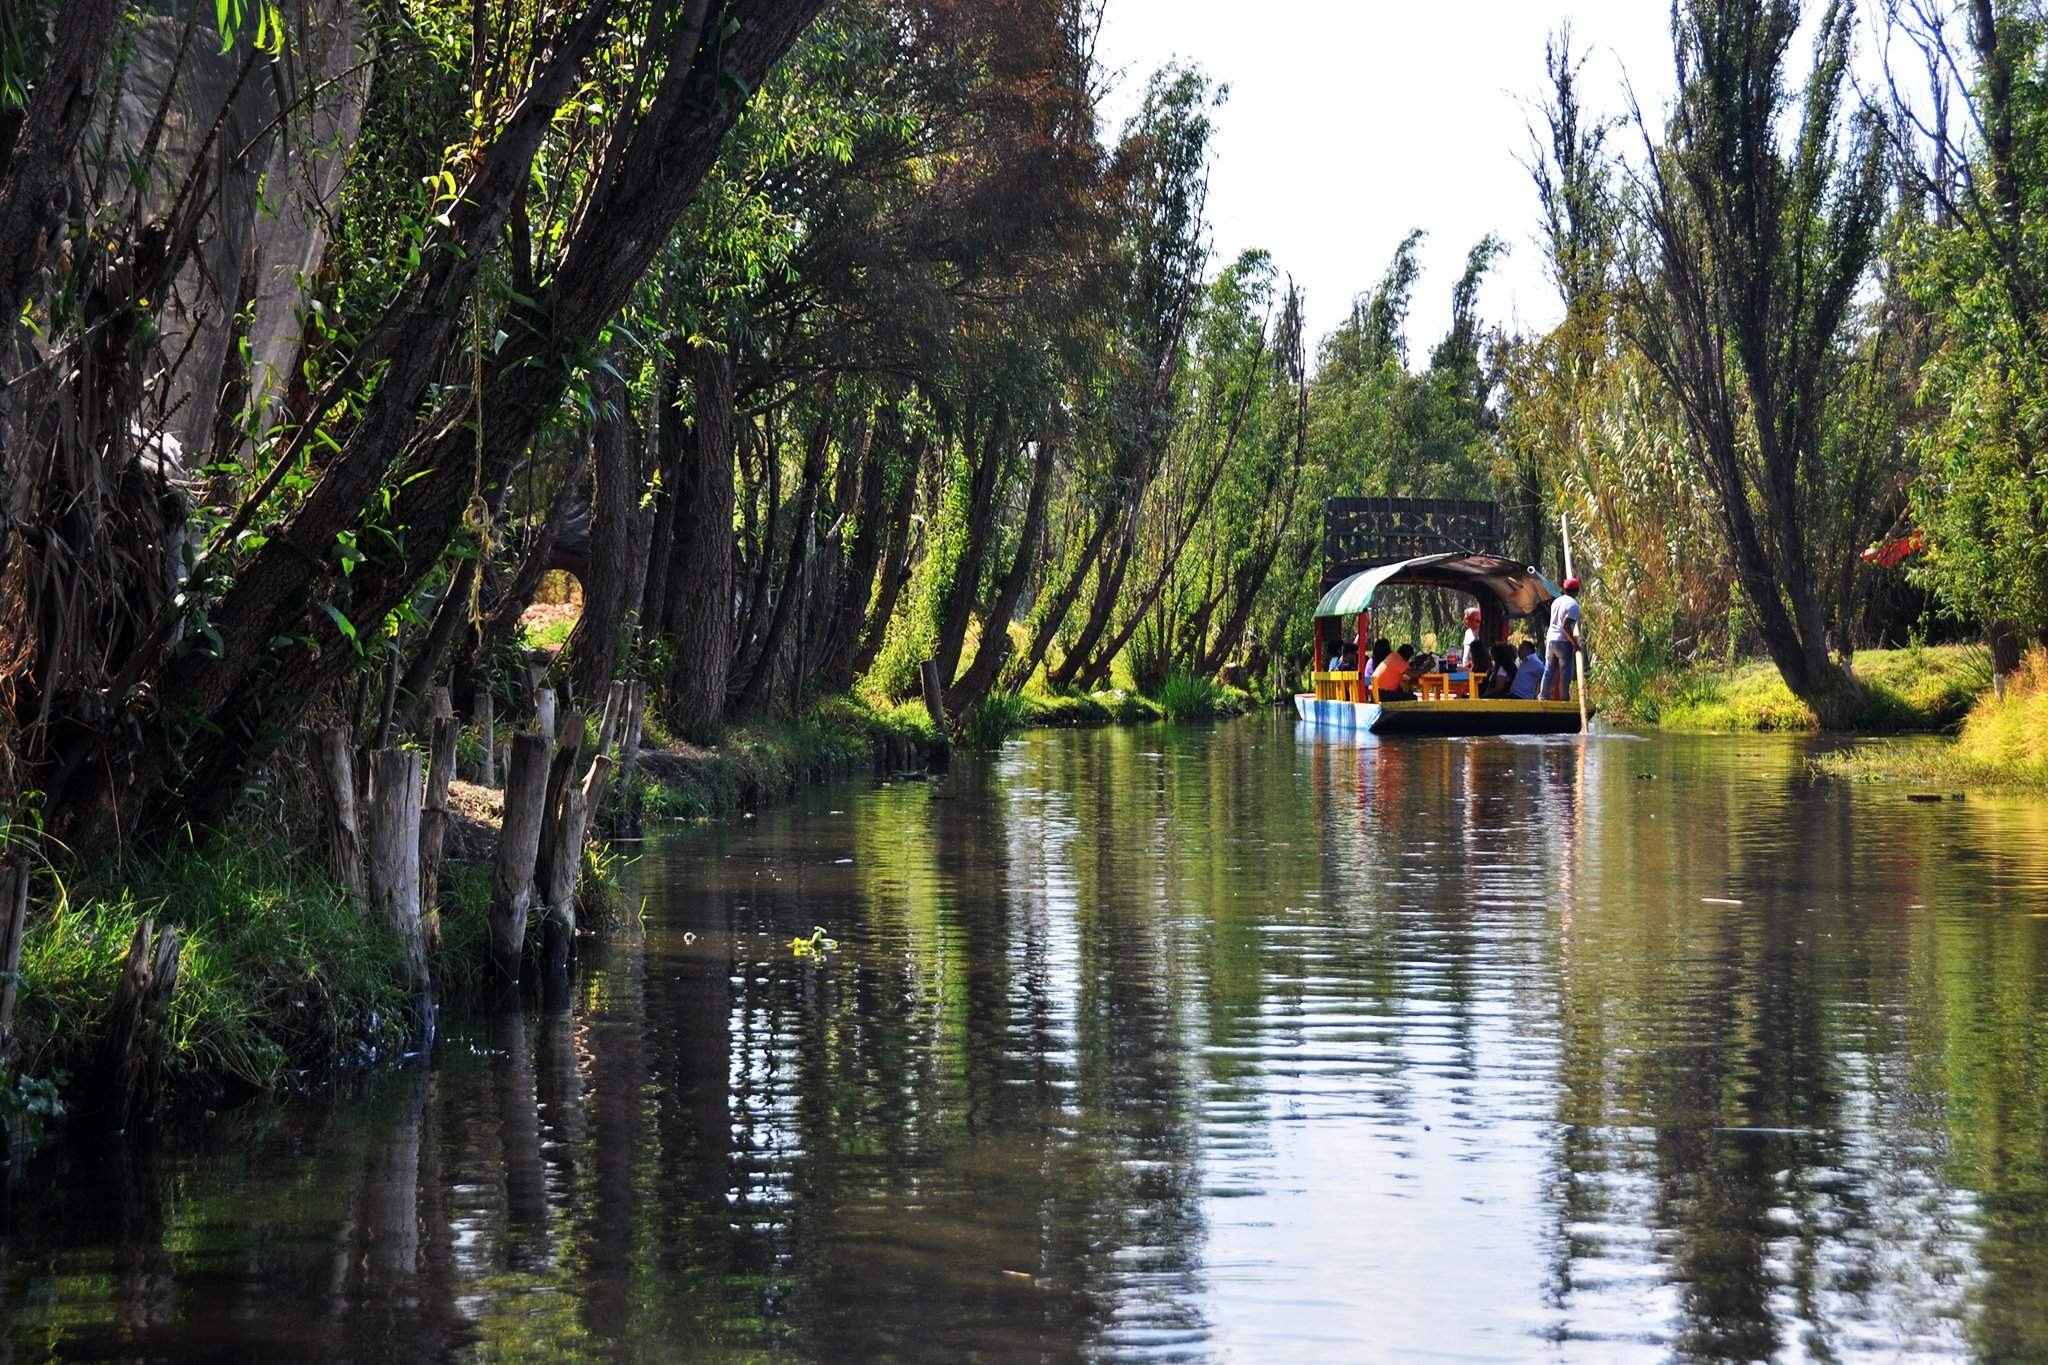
{"type": "Point", "coordinates": [1175, 1043]}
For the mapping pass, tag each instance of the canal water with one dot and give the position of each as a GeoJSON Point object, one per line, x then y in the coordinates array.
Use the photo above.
{"type": "Point", "coordinates": [1176, 1044]}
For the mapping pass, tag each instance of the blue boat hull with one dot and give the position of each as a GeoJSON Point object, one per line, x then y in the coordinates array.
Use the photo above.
{"type": "Point", "coordinates": [1441, 718]}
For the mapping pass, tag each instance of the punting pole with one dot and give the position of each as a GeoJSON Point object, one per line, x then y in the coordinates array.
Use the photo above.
{"type": "Point", "coordinates": [1578, 642]}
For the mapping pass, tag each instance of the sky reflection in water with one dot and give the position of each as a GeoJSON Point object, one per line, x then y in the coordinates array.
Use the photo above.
{"type": "Point", "coordinates": [1178, 1044]}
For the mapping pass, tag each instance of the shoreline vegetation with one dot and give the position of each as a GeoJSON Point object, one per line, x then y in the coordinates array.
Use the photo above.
{"type": "Point", "coordinates": [1917, 689]}
{"type": "Point", "coordinates": [1930, 716]}
{"type": "Point", "coordinates": [283, 980]}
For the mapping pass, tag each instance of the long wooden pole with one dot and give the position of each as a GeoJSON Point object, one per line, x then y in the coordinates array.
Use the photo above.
{"type": "Point", "coordinates": [1578, 642]}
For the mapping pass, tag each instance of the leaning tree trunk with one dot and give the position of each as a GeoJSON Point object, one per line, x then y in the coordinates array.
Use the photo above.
{"type": "Point", "coordinates": [699, 608]}
{"type": "Point", "coordinates": [792, 569]}
{"type": "Point", "coordinates": [593, 647]}
{"type": "Point", "coordinates": [995, 627]}
{"type": "Point", "coordinates": [863, 558]}
{"type": "Point", "coordinates": [956, 610]}
{"type": "Point", "coordinates": [898, 556]}
{"type": "Point", "coordinates": [35, 188]}
{"type": "Point", "coordinates": [1052, 615]}
{"type": "Point", "coordinates": [282, 653]}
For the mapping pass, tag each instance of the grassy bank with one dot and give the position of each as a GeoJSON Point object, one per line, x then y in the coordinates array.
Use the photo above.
{"type": "Point", "coordinates": [277, 971]}
{"type": "Point", "coordinates": [760, 764]}
{"type": "Point", "coordinates": [2003, 744]}
{"type": "Point", "coordinates": [1180, 698]}
{"type": "Point", "coordinates": [1928, 688]}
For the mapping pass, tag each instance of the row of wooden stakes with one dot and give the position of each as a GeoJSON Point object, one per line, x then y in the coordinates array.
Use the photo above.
{"type": "Point", "coordinates": [389, 852]}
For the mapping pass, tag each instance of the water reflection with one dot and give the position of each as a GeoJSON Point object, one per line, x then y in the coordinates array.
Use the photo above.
{"type": "Point", "coordinates": [1171, 1044]}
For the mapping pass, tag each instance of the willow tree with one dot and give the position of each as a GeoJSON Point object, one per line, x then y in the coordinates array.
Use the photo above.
{"type": "Point", "coordinates": [1759, 245]}
{"type": "Point", "coordinates": [414, 416]}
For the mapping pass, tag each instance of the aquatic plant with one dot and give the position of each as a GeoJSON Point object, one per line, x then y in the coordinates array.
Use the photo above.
{"type": "Point", "coordinates": [1184, 696]}
{"type": "Point", "coordinates": [991, 720]}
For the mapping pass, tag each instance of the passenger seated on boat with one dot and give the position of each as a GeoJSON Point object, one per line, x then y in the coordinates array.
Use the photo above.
{"type": "Point", "coordinates": [1528, 673]}
{"type": "Point", "coordinates": [1500, 679]}
{"type": "Point", "coordinates": [1426, 663]}
{"type": "Point", "coordinates": [1391, 671]}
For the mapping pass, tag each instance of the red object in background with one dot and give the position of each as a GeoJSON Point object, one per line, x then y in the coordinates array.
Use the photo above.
{"type": "Point", "coordinates": [1886, 556]}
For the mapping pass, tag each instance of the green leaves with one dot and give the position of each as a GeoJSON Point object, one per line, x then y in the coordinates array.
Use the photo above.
{"type": "Point", "coordinates": [232, 16]}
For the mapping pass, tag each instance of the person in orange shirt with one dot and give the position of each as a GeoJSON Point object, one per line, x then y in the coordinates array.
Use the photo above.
{"type": "Point", "coordinates": [1392, 672]}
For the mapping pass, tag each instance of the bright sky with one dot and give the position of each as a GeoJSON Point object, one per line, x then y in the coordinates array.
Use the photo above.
{"type": "Point", "coordinates": [1352, 121]}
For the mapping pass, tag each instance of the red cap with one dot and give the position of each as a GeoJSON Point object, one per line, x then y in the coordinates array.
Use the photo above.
{"type": "Point", "coordinates": [1571, 585]}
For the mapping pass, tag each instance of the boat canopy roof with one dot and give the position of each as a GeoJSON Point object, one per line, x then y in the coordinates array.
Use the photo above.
{"type": "Point", "coordinates": [1520, 589]}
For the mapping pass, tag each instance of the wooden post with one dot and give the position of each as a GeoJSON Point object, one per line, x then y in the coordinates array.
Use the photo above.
{"type": "Point", "coordinates": [394, 862]}
{"type": "Point", "coordinates": [935, 707]}
{"type": "Point", "coordinates": [129, 1068]}
{"type": "Point", "coordinates": [337, 763]}
{"type": "Point", "coordinates": [565, 862]}
{"type": "Point", "coordinates": [544, 711]}
{"type": "Point", "coordinates": [14, 883]}
{"type": "Point", "coordinates": [627, 802]}
{"type": "Point", "coordinates": [487, 729]}
{"type": "Point", "coordinates": [434, 822]}
{"type": "Point", "coordinates": [526, 789]}
{"type": "Point", "coordinates": [562, 771]}
{"type": "Point", "coordinates": [613, 721]}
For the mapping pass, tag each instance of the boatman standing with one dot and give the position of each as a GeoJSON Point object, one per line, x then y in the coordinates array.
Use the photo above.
{"type": "Point", "coordinates": [1561, 645]}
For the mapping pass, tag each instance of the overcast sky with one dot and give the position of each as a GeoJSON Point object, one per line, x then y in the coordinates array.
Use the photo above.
{"type": "Point", "coordinates": [1350, 122]}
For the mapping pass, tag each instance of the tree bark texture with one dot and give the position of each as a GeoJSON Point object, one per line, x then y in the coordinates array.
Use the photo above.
{"type": "Point", "coordinates": [394, 861]}
{"type": "Point", "coordinates": [593, 646]}
{"type": "Point", "coordinates": [342, 828]}
{"type": "Point", "coordinates": [512, 887]}
{"type": "Point", "coordinates": [699, 609]}
{"type": "Point", "coordinates": [34, 190]}
{"type": "Point", "coordinates": [435, 818]}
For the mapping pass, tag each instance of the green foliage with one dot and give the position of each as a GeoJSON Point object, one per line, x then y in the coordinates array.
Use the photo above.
{"type": "Point", "coordinates": [2003, 744]}
{"type": "Point", "coordinates": [1186, 697]}
{"type": "Point", "coordinates": [28, 1104]}
{"type": "Point", "coordinates": [752, 764]}
{"type": "Point", "coordinates": [1914, 689]}
{"type": "Point", "coordinates": [276, 969]}
{"type": "Point", "coordinates": [991, 721]}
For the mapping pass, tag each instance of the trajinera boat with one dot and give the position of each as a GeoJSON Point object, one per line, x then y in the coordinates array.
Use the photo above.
{"type": "Point", "coordinates": [1446, 703]}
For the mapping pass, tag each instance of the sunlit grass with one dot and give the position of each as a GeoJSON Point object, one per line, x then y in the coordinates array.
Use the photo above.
{"type": "Point", "coordinates": [1924, 688]}
{"type": "Point", "coordinates": [2003, 743]}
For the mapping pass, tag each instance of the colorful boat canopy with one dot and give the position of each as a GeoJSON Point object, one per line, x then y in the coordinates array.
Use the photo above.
{"type": "Point", "coordinates": [1520, 589]}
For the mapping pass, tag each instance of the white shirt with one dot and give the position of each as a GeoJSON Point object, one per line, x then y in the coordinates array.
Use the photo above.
{"type": "Point", "coordinates": [1565, 608]}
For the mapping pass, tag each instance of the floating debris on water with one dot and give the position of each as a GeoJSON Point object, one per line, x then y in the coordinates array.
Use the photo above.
{"type": "Point", "coordinates": [816, 945]}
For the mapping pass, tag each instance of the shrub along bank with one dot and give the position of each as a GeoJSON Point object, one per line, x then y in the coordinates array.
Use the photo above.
{"type": "Point", "coordinates": [2003, 743]}
{"type": "Point", "coordinates": [1925, 688]}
